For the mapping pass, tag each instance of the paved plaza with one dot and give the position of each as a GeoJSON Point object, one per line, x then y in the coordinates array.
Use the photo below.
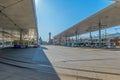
{"type": "Point", "coordinates": [59, 63]}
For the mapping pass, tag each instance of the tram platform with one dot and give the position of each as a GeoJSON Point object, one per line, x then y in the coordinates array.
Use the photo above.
{"type": "Point", "coordinates": [59, 63]}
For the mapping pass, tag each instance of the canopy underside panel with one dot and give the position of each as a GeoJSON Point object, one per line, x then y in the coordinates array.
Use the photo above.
{"type": "Point", "coordinates": [17, 15]}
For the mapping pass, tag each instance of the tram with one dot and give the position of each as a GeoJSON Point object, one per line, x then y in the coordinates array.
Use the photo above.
{"type": "Point", "coordinates": [21, 43]}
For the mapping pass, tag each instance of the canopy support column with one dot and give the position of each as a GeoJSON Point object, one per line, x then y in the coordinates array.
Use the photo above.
{"type": "Point", "coordinates": [60, 40]}
{"type": "Point", "coordinates": [91, 37]}
{"type": "Point", "coordinates": [3, 40]}
{"type": "Point", "coordinates": [11, 36]}
{"type": "Point", "coordinates": [99, 26]}
{"type": "Point", "coordinates": [66, 41]}
{"type": "Point", "coordinates": [76, 34]}
{"type": "Point", "coordinates": [21, 34]}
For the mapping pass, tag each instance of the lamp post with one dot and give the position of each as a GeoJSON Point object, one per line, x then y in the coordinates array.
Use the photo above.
{"type": "Point", "coordinates": [100, 27]}
{"type": "Point", "coordinates": [105, 35]}
{"type": "Point", "coordinates": [90, 34]}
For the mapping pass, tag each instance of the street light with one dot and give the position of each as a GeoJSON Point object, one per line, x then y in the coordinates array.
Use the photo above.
{"type": "Point", "coordinates": [100, 25]}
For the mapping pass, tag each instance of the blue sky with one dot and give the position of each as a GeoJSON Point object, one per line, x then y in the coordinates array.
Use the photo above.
{"type": "Point", "coordinates": [56, 16]}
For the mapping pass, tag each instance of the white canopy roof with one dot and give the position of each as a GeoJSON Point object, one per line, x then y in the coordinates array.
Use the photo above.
{"type": "Point", "coordinates": [108, 17]}
{"type": "Point", "coordinates": [17, 15]}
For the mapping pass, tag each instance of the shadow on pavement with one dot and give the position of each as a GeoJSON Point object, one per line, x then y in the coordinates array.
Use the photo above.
{"type": "Point", "coordinates": [89, 60]}
{"type": "Point", "coordinates": [109, 49]}
{"type": "Point", "coordinates": [30, 58]}
{"type": "Point", "coordinates": [35, 59]}
{"type": "Point", "coordinates": [113, 49]}
{"type": "Point", "coordinates": [44, 48]}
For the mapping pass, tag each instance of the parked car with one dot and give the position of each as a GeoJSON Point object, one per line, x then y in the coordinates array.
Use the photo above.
{"type": "Point", "coordinates": [35, 45]}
